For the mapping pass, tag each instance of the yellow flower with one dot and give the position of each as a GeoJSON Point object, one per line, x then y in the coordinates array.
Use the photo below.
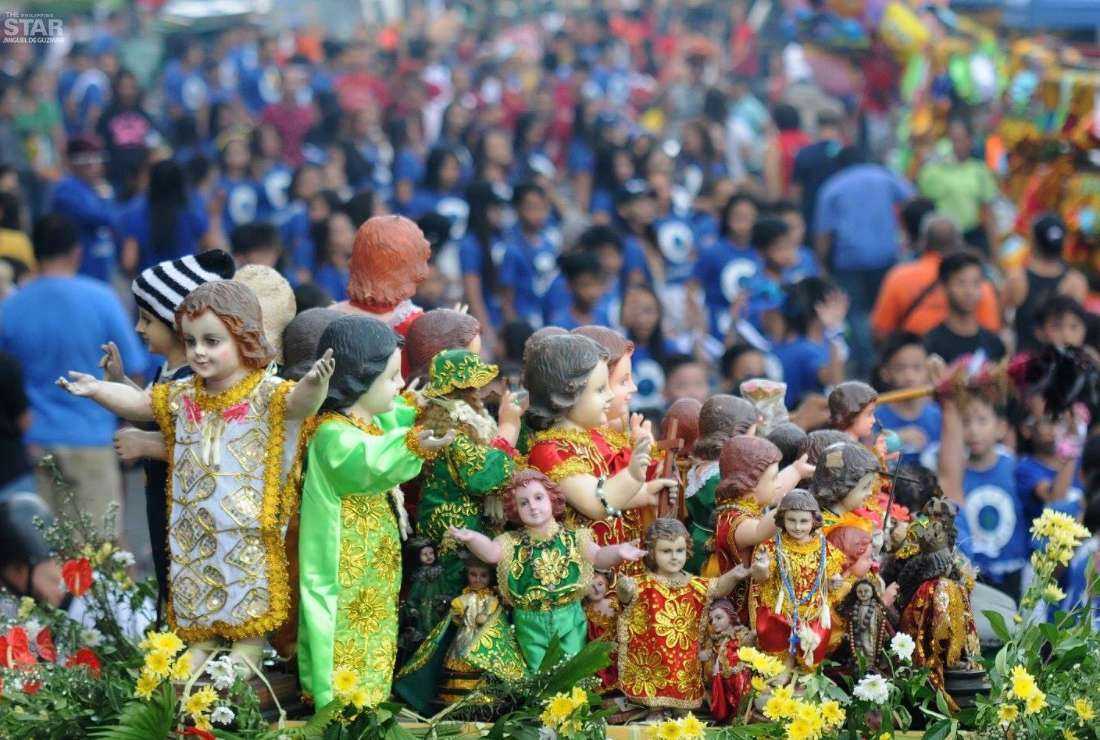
{"type": "Point", "coordinates": [579, 697]}
{"type": "Point", "coordinates": [1035, 703]}
{"type": "Point", "coordinates": [200, 701]}
{"type": "Point", "coordinates": [800, 730]}
{"type": "Point", "coordinates": [159, 663]}
{"type": "Point", "coordinates": [344, 681]}
{"type": "Point", "coordinates": [558, 709]}
{"type": "Point", "coordinates": [202, 722]}
{"type": "Point", "coordinates": [885, 736]}
{"type": "Point", "coordinates": [1023, 684]}
{"type": "Point", "coordinates": [669, 730]}
{"type": "Point", "coordinates": [165, 642]}
{"type": "Point", "coordinates": [360, 697]}
{"type": "Point", "coordinates": [809, 714]}
{"type": "Point", "coordinates": [570, 727]}
{"type": "Point", "coordinates": [181, 671]}
{"type": "Point", "coordinates": [692, 727]}
{"type": "Point", "coordinates": [1053, 594]}
{"type": "Point", "coordinates": [1069, 735]}
{"type": "Point", "coordinates": [779, 707]}
{"type": "Point", "coordinates": [832, 714]}
{"type": "Point", "coordinates": [758, 684]}
{"type": "Point", "coordinates": [1007, 713]}
{"type": "Point", "coordinates": [26, 606]}
{"type": "Point", "coordinates": [146, 685]}
{"type": "Point", "coordinates": [1084, 709]}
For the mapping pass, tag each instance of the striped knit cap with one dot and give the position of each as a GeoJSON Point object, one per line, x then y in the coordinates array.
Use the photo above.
{"type": "Point", "coordinates": [161, 288]}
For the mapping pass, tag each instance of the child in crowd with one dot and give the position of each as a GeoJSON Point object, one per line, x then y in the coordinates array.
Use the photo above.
{"type": "Point", "coordinates": [529, 264]}
{"type": "Point", "coordinates": [805, 262]}
{"type": "Point", "coordinates": [917, 421]}
{"type": "Point", "coordinates": [777, 252]}
{"type": "Point", "coordinates": [1061, 321]}
{"type": "Point", "coordinates": [255, 244]}
{"type": "Point", "coordinates": [721, 268]}
{"type": "Point", "coordinates": [1050, 452]}
{"type": "Point", "coordinates": [686, 377]}
{"type": "Point", "coordinates": [587, 302]}
{"type": "Point", "coordinates": [334, 255]}
{"type": "Point", "coordinates": [961, 274]}
{"type": "Point", "coordinates": [812, 351]}
{"type": "Point", "coordinates": [641, 320]}
{"type": "Point", "coordinates": [981, 477]}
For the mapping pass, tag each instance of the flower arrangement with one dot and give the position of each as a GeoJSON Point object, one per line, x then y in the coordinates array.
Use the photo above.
{"type": "Point", "coordinates": [569, 715]}
{"type": "Point", "coordinates": [688, 727]}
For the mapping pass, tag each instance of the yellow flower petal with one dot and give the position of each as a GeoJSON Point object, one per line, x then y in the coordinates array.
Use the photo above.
{"type": "Point", "coordinates": [344, 681]}
{"type": "Point", "coordinates": [1084, 710]}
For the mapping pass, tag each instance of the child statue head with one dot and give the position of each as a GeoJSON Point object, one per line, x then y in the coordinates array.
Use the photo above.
{"type": "Point", "coordinates": [789, 438]}
{"type": "Point", "coordinates": [863, 592]}
{"type": "Point", "coordinates": [721, 417]}
{"type": "Point", "coordinates": [798, 515]}
{"type": "Point", "coordinates": [685, 412]}
{"type": "Point", "coordinates": [300, 339]}
{"type": "Point", "coordinates": [368, 365]}
{"type": "Point", "coordinates": [531, 499]}
{"type": "Point", "coordinates": [817, 440]}
{"type": "Point", "coordinates": [668, 546]}
{"type": "Point", "coordinates": [479, 574]}
{"type": "Point", "coordinates": [437, 330]}
{"type": "Point", "coordinates": [852, 408]}
{"type": "Point", "coordinates": [619, 351]}
{"type": "Point", "coordinates": [419, 553]}
{"type": "Point", "coordinates": [722, 616]}
{"type": "Point", "coordinates": [276, 298]}
{"type": "Point", "coordinates": [855, 543]}
{"type": "Point", "coordinates": [388, 261]}
{"type": "Point", "coordinates": [567, 378]}
{"type": "Point", "coordinates": [600, 585]}
{"type": "Point", "coordinates": [846, 475]}
{"type": "Point", "coordinates": [221, 325]}
{"type": "Point", "coordinates": [747, 465]}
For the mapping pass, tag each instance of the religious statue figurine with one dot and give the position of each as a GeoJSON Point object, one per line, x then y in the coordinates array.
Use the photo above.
{"type": "Point", "coordinates": [570, 397]}
{"type": "Point", "coordinates": [845, 479]}
{"type": "Point", "coordinates": [388, 261]}
{"type": "Point", "coordinates": [868, 626]}
{"type": "Point", "coordinates": [727, 679]}
{"type": "Point", "coordinates": [721, 417]}
{"type": "Point", "coordinates": [679, 433]}
{"type": "Point", "coordinates": [466, 479]}
{"type": "Point", "coordinates": [473, 640]}
{"type": "Point", "coordinates": [543, 570]}
{"type": "Point", "coordinates": [817, 440]}
{"type": "Point", "coordinates": [230, 433]}
{"type": "Point", "coordinates": [852, 409]}
{"type": "Point", "coordinates": [602, 608]}
{"type": "Point", "coordinates": [660, 629]}
{"type": "Point", "coordinates": [795, 574]}
{"type": "Point", "coordinates": [427, 596]}
{"type": "Point", "coordinates": [358, 450]}
{"type": "Point", "coordinates": [277, 304]}
{"type": "Point", "coordinates": [434, 331]}
{"type": "Point", "coordinates": [934, 597]}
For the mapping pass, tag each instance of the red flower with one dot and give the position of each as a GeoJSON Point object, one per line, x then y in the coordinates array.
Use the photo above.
{"type": "Point", "coordinates": [236, 413]}
{"type": "Point", "coordinates": [32, 687]}
{"type": "Point", "coordinates": [85, 657]}
{"type": "Point", "coordinates": [46, 650]}
{"type": "Point", "coordinates": [77, 575]}
{"type": "Point", "coordinates": [201, 734]}
{"type": "Point", "coordinates": [15, 649]}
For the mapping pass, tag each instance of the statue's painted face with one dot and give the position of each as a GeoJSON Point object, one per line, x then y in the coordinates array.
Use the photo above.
{"type": "Point", "coordinates": [379, 396]}
{"type": "Point", "coordinates": [592, 408]}
{"type": "Point", "coordinates": [864, 592]}
{"type": "Point", "coordinates": [798, 524]}
{"type": "Point", "coordinates": [670, 555]}
{"type": "Point", "coordinates": [719, 620]}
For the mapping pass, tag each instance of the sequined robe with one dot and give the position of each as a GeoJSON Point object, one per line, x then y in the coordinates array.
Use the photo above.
{"type": "Point", "coordinates": [771, 608]}
{"type": "Point", "coordinates": [660, 632]}
{"type": "Point", "coordinates": [603, 627]}
{"type": "Point", "coordinates": [349, 551]}
{"type": "Point", "coordinates": [728, 516]}
{"type": "Point", "coordinates": [544, 580]}
{"type": "Point", "coordinates": [702, 481]}
{"type": "Point", "coordinates": [227, 509]}
{"type": "Point", "coordinates": [561, 453]}
{"type": "Point", "coordinates": [729, 679]}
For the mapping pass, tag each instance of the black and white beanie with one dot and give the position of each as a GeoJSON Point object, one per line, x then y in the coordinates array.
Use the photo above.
{"type": "Point", "coordinates": [160, 289]}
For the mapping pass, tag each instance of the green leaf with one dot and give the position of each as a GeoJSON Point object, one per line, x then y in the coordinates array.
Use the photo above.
{"type": "Point", "coordinates": [397, 732]}
{"type": "Point", "coordinates": [553, 655]}
{"type": "Point", "coordinates": [143, 720]}
{"type": "Point", "coordinates": [592, 657]}
{"type": "Point", "coordinates": [997, 622]}
{"type": "Point", "coordinates": [940, 731]}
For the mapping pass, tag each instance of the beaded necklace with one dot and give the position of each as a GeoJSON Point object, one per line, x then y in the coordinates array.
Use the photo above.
{"type": "Point", "coordinates": [788, 586]}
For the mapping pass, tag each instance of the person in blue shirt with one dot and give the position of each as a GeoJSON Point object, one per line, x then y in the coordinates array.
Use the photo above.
{"type": "Point", "coordinates": [777, 252]}
{"type": "Point", "coordinates": [1047, 471]}
{"type": "Point", "coordinates": [530, 261]}
{"type": "Point", "coordinates": [238, 191]}
{"type": "Point", "coordinates": [623, 264]}
{"type": "Point", "coordinates": [334, 255]}
{"type": "Point", "coordinates": [58, 322]}
{"type": "Point", "coordinates": [805, 263]}
{"type": "Point", "coordinates": [587, 302]}
{"type": "Point", "coordinates": [438, 192]}
{"type": "Point", "coordinates": [481, 252]}
{"type": "Point", "coordinates": [976, 473]}
{"type": "Point", "coordinates": [406, 134]}
{"type": "Point", "coordinates": [722, 268]}
{"type": "Point", "coordinates": [641, 317]}
{"type": "Point", "coordinates": [82, 196]}
{"type": "Point", "coordinates": [856, 237]}
{"type": "Point", "coordinates": [166, 223]}
{"type": "Point", "coordinates": [904, 364]}
{"type": "Point", "coordinates": [185, 89]}
{"type": "Point", "coordinates": [614, 168]}
{"type": "Point", "coordinates": [812, 352]}
{"type": "Point", "coordinates": [1083, 574]}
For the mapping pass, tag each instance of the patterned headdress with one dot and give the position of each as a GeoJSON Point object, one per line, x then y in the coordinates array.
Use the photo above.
{"type": "Point", "coordinates": [457, 369]}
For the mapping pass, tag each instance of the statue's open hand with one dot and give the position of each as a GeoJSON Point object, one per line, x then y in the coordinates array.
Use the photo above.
{"type": "Point", "coordinates": [430, 442]}
{"type": "Point", "coordinates": [461, 534]}
{"type": "Point", "coordinates": [804, 468]}
{"type": "Point", "coordinates": [630, 552]}
{"type": "Point", "coordinates": [79, 384]}
{"type": "Point", "coordinates": [321, 370]}
{"type": "Point", "coordinates": [111, 362]}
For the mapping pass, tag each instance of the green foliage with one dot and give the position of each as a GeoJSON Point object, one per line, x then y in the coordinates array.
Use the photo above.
{"type": "Point", "coordinates": [143, 720]}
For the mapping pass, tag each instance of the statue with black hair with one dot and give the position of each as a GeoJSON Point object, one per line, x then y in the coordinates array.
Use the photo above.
{"type": "Point", "coordinates": [357, 450]}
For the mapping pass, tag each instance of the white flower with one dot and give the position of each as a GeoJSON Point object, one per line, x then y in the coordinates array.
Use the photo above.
{"type": "Point", "coordinates": [124, 558]}
{"type": "Point", "coordinates": [873, 688]}
{"type": "Point", "coordinates": [33, 627]}
{"type": "Point", "coordinates": [91, 637]}
{"type": "Point", "coordinates": [223, 673]}
{"type": "Point", "coordinates": [222, 715]}
{"type": "Point", "coordinates": [902, 646]}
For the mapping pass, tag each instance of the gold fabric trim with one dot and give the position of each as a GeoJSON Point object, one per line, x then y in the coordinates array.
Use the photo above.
{"type": "Point", "coordinates": [507, 552]}
{"type": "Point", "coordinates": [218, 402]}
{"type": "Point", "coordinates": [412, 441]}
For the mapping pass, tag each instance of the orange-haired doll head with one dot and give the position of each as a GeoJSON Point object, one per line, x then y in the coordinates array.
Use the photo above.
{"type": "Point", "coordinates": [388, 262]}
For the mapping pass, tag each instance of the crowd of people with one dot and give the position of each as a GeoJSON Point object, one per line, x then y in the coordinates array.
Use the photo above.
{"type": "Point", "coordinates": [670, 170]}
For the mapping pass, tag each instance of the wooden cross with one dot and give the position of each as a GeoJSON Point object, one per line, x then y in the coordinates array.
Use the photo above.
{"type": "Point", "coordinates": [672, 445]}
